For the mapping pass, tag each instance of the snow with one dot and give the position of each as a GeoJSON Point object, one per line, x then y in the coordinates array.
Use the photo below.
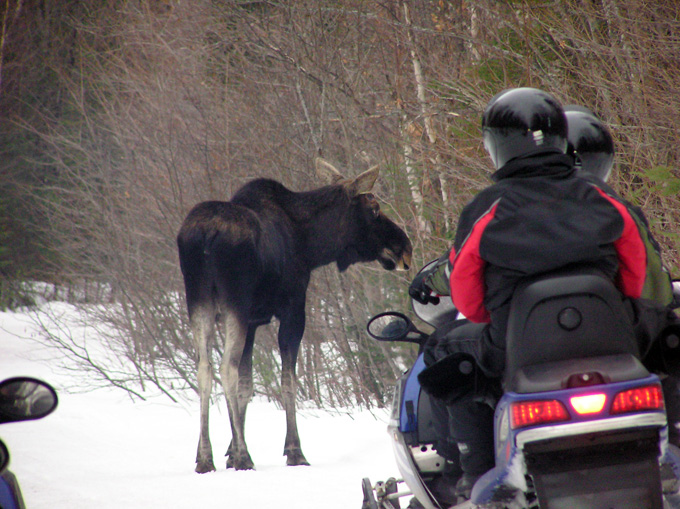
{"type": "Point", "coordinates": [100, 449]}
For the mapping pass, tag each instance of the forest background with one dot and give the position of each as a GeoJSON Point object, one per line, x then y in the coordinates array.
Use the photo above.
{"type": "Point", "coordinates": [117, 116]}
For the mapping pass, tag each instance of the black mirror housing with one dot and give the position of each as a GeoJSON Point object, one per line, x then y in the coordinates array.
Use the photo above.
{"type": "Point", "coordinates": [25, 399]}
{"type": "Point", "coordinates": [394, 326]}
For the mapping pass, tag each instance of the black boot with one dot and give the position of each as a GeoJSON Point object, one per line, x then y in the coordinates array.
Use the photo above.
{"type": "Point", "coordinates": [415, 504]}
{"type": "Point", "coordinates": [465, 484]}
{"type": "Point", "coordinates": [475, 460]}
{"type": "Point", "coordinates": [444, 487]}
{"type": "Point", "coordinates": [671, 395]}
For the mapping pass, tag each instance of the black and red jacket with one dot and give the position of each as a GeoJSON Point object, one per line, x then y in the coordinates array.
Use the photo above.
{"type": "Point", "coordinates": [539, 216]}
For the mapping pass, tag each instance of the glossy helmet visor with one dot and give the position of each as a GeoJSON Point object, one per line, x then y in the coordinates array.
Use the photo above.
{"type": "Point", "coordinates": [523, 121]}
{"type": "Point", "coordinates": [590, 142]}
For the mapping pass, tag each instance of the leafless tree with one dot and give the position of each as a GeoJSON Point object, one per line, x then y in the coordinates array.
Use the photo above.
{"type": "Point", "coordinates": [119, 116]}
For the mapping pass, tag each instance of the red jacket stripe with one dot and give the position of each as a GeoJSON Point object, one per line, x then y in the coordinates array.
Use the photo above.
{"type": "Point", "coordinates": [631, 253]}
{"type": "Point", "coordinates": [467, 276]}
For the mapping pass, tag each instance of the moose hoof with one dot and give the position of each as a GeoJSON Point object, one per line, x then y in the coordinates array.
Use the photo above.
{"type": "Point", "coordinates": [296, 458]}
{"type": "Point", "coordinates": [241, 462]}
{"type": "Point", "coordinates": [203, 467]}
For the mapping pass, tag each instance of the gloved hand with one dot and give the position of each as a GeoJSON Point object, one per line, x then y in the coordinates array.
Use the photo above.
{"type": "Point", "coordinates": [420, 291]}
{"type": "Point", "coordinates": [450, 378]}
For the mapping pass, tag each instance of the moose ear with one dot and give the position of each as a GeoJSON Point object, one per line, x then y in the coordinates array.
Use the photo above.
{"type": "Point", "coordinates": [327, 172]}
{"type": "Point", "coordinates": [364, 182]}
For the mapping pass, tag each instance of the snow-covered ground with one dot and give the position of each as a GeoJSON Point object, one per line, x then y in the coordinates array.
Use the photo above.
{"type": "Point", "coordinates": [100, 449]}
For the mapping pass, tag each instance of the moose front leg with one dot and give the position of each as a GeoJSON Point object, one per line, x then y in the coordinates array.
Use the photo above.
{"type": "Point", "coordinates": [290, 334]}
{"type": "Point", "coordinates": [291, 446]}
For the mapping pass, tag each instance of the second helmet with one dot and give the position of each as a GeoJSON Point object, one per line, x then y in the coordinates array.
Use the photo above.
{"type": "Point", "coordinates": [590, 142]}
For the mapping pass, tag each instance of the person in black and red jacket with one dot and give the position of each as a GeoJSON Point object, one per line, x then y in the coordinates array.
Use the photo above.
{"type": "Point", "coordinates": [592, 146]}
{"type": "Point", "coordinates": [538, 216]}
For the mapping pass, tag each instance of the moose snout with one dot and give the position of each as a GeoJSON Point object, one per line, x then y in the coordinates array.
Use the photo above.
{"type": "Point", "coordinates": [405, 262]}
{"type": "Point", "coordinates": [399, 262]}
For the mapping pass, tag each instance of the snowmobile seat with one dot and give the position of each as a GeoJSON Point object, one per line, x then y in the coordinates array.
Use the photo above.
{"type": "Point", "coordinates": [555, 320]}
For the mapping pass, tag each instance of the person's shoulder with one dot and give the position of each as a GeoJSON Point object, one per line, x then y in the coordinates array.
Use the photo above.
{"type": "Point", "coordinates": [598, 183]}
{"type": "Point", "coordinates": [609, 191]}
{"type": "Point", "coordinates": [482, 203]}
{"type": "Point", "coordinates": [490, 194]}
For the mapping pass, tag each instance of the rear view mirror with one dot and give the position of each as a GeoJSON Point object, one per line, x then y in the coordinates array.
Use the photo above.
{"type": "Point", "coordinates": [393, 326]}
{"type": "Point", "coordinates": [4, 456]}
{"type": "Point", "coordinates": [24, 399]}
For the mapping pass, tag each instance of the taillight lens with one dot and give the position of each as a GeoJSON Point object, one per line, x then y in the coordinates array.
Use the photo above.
{"type": "Point", "coordinates": [639, 399]}
{"type": "Point", "coordinates": [530, 413]}
{"type": "Point", "coordinates": [588, 404]}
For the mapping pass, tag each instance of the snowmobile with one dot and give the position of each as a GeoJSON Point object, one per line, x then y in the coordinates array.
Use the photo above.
{"type": "Point", "coordinates": [21, 399]}
{"type": "Point", "coordinates": [581, 422]}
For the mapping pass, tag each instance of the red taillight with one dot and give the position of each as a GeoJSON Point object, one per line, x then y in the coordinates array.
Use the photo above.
{"type": "Point", "coordinates": [588, 404]}
{"type": "Point", "coordinates": [649, 397]}
{"type": "Point", "coordinates": [529, 413]}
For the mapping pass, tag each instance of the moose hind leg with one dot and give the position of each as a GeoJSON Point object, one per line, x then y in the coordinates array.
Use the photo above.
{"type": "Point", "coordinates": [202, 327]}
{"type": "Point", "coordinates": [245, 382]}
{"type": "Point", "coordinates": [235, 332]}
{"type": "Point", "coordinates": [290, 334]}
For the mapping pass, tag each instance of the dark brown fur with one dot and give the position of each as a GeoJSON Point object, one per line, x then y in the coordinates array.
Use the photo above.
{"type": "Point", "coordinates": [250, 259]}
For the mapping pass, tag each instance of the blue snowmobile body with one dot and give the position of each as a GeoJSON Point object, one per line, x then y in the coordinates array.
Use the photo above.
{"type": "Point", "coordinates": [581, 422]}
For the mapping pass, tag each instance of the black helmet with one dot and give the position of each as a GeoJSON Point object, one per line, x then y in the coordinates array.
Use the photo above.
{"type": "Point", "coordinates": [590, 142]}
{"type": "Point", "coordinates": [523, 121]}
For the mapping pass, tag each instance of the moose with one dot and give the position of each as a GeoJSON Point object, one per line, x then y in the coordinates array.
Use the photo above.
{"type": "Point", "coordinates": [250, 259]}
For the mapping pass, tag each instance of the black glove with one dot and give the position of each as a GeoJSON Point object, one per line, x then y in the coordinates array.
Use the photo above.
{"type": "Point", "coordinates": [420, 291]}
{"type": "Point", "coordinates": [667, 351]}
{"type": "Point", "coordinates": [450, 378]}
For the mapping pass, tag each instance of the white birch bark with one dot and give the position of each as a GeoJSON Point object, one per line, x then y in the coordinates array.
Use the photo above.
{"type": "Point", "coordinates": [427, 117]}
